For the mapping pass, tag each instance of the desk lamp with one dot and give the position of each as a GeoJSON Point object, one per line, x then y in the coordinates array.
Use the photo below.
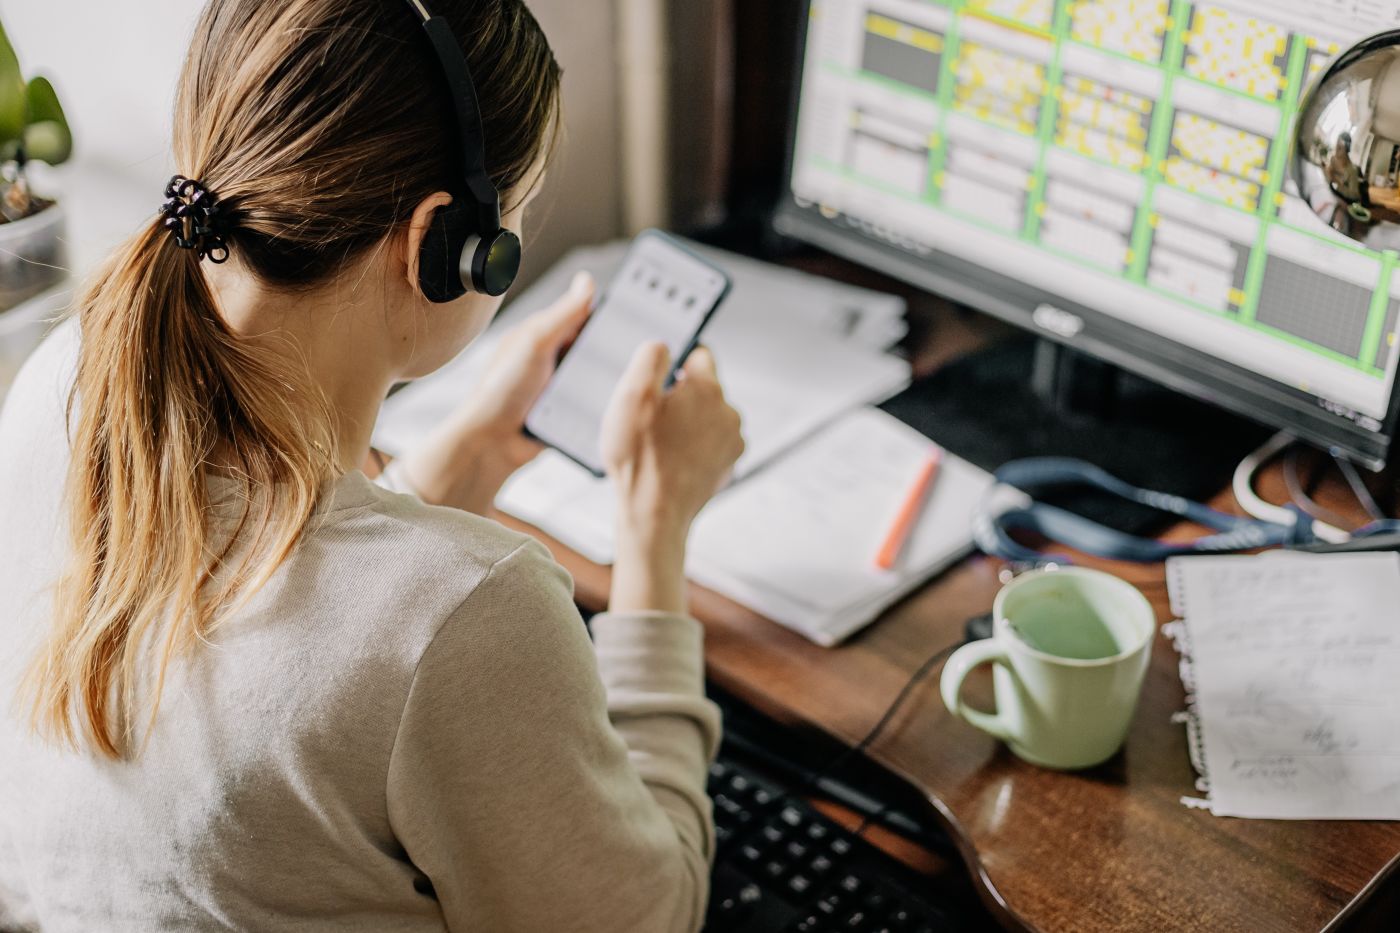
{"type": "Point", "coordinates": [1346, 147]}
{"type": "Point", "coordinates": [1346, 158]}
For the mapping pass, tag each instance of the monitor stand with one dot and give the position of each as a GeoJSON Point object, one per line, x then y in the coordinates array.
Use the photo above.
{"type": "Point", "coordinates": [1029, 397]}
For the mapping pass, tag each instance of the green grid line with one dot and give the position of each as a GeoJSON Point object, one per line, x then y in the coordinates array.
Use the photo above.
{"type": "Point", "coordinates": [1268, 200]}
{"type": "Point", "coordinates": [1380, 305]}
{"type": "Point", "coordinates": [1285, 337]}
{"type": "Point", "coordinates": [947, 78]}
{"type": "Point", "coordinates": [1045, 132]}
{"type": "Point", "coordinates": [1159, 140]}
{"type": "Point", "coordinates": [849, 175]}
{"type": "Point", "coordinates": [1159, 137]}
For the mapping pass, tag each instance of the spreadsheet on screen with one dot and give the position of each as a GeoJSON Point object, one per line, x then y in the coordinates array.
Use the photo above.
{"type": "Point", "coordinates": [1130, 155]}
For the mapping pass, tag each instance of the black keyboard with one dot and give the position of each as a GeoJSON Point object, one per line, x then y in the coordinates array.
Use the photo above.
{"type": "Point", "coordinates": [783, 867]}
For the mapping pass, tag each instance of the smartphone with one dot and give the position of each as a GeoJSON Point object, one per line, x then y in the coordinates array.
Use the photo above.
{"type": "Point", "coordinates": [663, 292]}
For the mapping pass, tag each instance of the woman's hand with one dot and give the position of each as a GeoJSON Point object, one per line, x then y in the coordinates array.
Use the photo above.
{"type": "Point", "coordinates": [668, 452]}
{"type": "Point", "coordinates": [465, 462]}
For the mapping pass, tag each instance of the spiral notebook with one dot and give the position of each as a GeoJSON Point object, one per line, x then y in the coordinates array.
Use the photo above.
{"type": "Point", "coordinates": [1291, 664]}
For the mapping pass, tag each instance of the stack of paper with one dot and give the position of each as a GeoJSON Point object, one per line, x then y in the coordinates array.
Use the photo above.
{"type": "Point", "coordinates": [1289, 662]}
{"type": "Point", "coordinates": [794, 352]}
{"type": "Point", "coordinates": [797, 542]}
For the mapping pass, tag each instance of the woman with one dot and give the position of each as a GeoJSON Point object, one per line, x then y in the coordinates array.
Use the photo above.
{"type": "Point", "coordinates": [243, 686]}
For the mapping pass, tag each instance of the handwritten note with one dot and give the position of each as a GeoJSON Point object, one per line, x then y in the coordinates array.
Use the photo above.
{"type": "Point", "coordinates": [1294, 665]}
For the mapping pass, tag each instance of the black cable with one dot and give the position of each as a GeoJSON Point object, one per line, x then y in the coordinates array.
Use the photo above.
{"type": "Point", "coordinates": [1358, 487]}
{"type": "Point", "coordinates": [839, 761]}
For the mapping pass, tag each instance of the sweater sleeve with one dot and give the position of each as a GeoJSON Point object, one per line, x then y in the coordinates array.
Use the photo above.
{"type": "Point", "coordinates": [541, 783]}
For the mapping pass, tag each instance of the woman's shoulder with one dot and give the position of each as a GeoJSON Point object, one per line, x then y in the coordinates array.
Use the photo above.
{"type": "Point", "coordinates": [380, 575]}
{"type": "Point", "coordinates": [443, 548]}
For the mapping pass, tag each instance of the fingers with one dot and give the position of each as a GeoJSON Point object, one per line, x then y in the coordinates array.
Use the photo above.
{"type": "Point", "coordinates": [701, 365]}
{"type": "Point", "coordinates": [560, 322]}
{"type": "Point", "coordinates": [644, 378]}
{"type": "Point", "coordinates": [646, 373]}
{"type": "Point", "coordinates": [634, 403]}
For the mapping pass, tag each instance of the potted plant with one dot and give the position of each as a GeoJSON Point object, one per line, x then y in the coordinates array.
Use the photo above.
{"type": "Point", "coordinates": [32, 128]}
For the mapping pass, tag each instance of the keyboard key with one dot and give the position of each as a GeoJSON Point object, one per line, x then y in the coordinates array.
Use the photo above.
{"type": "Point", "coordinates": [787, 867]}
{"type": "Point", "coordinates": [727, 904]}
{"type": "Point", "coordinates": [831, 904]}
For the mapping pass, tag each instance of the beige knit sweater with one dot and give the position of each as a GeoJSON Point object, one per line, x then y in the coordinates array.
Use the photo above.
{"type": "Point", "coordinates": [407, 729]}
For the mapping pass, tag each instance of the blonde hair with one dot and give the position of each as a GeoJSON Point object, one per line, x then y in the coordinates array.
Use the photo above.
{"type": "Point", "coordinates": [320, 125]}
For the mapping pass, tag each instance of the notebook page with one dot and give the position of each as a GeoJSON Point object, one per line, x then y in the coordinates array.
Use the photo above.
{"type": "Point", "coordinates": [1296, 665]}
{"type": "Point", "coordinates": [797, 541]}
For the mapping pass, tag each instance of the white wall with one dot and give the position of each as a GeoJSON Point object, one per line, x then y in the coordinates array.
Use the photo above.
{"type": "Point", "coordinates": [115, 63]}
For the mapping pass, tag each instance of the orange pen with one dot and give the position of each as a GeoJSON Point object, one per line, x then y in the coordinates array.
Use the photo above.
{"type": "Point", "coordinates": [909, 512]}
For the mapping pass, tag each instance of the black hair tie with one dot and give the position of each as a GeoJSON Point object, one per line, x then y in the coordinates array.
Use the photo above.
{"type": "Point", "coordinates": [193, 217]}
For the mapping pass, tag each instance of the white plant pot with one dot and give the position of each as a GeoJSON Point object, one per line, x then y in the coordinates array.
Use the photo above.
{"type": "Point", "coordinates": [33, 256]}
{"type": "Point", "coordinates": [23, 328]}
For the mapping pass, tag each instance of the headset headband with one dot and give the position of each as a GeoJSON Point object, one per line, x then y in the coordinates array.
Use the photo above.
{"type": "Point", "coordinates": [465, 106]}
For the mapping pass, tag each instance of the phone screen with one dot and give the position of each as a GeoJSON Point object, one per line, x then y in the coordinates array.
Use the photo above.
{"type": "Point", "coordinates": [663, 292]}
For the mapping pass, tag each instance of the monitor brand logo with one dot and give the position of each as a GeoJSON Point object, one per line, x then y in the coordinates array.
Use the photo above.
{"type": "Point", "coordinates": [1058, 322]}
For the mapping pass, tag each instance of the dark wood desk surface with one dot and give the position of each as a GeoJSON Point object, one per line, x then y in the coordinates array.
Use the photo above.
{"type": "Point", "coordinates": [1111, 849]}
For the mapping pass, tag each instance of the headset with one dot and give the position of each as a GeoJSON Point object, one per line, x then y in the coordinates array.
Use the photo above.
{"type": "Point", "coordinates": [466, 248]}
{"type": "Point", "coordinates": [1005, 510]}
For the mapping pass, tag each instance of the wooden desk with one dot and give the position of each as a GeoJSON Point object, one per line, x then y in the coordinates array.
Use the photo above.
{"type": "Point", "coordinates": [1111, 849]}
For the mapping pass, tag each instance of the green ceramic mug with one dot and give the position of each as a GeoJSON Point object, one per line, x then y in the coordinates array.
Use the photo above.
{"type": "Point", "coordinates": [1069, 650]}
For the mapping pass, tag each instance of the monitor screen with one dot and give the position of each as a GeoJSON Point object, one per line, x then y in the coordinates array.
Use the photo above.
{"type": "Point", "coordinates": [1113, 174]}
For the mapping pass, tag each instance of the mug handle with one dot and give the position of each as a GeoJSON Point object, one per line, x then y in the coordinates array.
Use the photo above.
{"type": "Point", "coordinates": [969, 656]}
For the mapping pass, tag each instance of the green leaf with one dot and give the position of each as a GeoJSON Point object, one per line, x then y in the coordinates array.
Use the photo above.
{"type": "Point", "coordinates": [13, 105]}
{"type": "Point", "coordinates": [47, 138]}
{"type": "Point", "coordinates": [48, 141]}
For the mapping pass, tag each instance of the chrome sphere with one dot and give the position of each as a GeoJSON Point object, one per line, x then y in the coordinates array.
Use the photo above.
{"type": "Point", "coordinates": [1346, 145]}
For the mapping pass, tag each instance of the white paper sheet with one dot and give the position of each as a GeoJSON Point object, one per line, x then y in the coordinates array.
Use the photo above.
{"type": "Point", "coordinates": [794, 352]}
{"type": "Point", "coordinates": [1295, 665]}
{"type": "Point", "coordinates": [789, 346]}
{"type": "Point", "coordinates": [797, 541]}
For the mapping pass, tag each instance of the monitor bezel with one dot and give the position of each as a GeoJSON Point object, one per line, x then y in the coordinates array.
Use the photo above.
{"type": "Point", "coordinates": [1183, 369]}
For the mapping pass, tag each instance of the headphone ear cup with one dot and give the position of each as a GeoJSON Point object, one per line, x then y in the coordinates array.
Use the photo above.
{"type": "Point", "coordinates": [440, 258]}
{"type": "Point", "coordinates": [496, 263]}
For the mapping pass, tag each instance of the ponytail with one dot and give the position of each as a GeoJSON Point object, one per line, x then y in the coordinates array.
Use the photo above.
{"type": "Point", "coordinates": [317, 124]}
{"type": "Point", "coordinates": [163, 392]}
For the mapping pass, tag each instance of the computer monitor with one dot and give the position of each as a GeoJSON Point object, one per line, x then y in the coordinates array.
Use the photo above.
{"type": "Point", "coordinates": [1111, 174]}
